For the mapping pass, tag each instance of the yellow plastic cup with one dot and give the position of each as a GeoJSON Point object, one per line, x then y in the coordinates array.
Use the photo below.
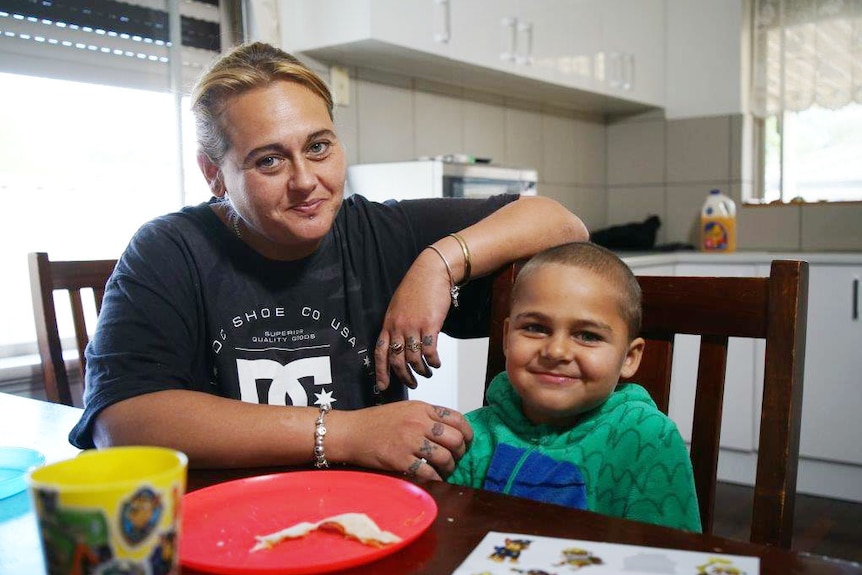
{"type": "Point", "coordinates": [114, 510]}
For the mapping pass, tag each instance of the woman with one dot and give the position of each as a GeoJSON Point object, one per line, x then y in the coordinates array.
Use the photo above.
{"type": "Point", "coordinates": [282, 294]}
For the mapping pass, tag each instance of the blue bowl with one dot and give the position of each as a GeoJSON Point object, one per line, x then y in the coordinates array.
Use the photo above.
{"type": "Point", "coordinates": [15, 463]}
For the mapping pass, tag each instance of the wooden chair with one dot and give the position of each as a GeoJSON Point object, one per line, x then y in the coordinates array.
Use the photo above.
{"type": "Point", "coordinates": [46, 277]}
{"type": "Point", "coordinates": [773, 309]}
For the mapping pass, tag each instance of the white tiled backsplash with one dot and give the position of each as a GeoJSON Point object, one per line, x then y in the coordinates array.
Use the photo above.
{"type": "Point", "coordinates": [607, 173]}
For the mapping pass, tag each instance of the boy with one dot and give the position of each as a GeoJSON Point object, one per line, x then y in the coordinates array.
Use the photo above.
{"type": "Point", "coordinates": [559, 428]}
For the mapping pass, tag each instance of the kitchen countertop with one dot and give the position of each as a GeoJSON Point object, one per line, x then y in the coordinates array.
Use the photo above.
{"type": "Point", "coordinates": [637, 259]}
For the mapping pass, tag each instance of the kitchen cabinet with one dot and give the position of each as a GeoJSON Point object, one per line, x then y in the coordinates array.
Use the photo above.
{"type": "Point", "coordinates": [595, 55]}
{"type": "Point", "coordinates": [553, 41]}
{"type": "Point", "coordinates": [633, 49]}
{"type": "Point", "coordinates": [830, 454]}
{"type": "Point", "coordinates": [833, 365]}
{"type": "Point", "coordinates": [487, 33]}
{"type": "Point", "coordinates": [322, 24]}
{"type": "Point", "coordinates": [832, 385]}
{"type": "Point", "coordinates": [832, 393]}
{"type": "Point", "coordinates": [565, 41]}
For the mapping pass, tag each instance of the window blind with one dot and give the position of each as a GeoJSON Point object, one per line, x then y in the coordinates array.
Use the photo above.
{"type": "Point", "coordinates": [107, 41]}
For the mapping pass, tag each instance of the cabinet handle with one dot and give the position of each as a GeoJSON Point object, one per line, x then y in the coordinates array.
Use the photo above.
{"type": "Point", "coordinates": [526, 29]}
{"type": "Point", "coordinates": [628, 71]}
{"type": "Point", "coordinates": [855, 299]}
{"type": "Point", "coordinates": [444, 36]}
{"type": "Point", "coordinates": [614, 69]}
{"type": "Point", "coordinates": [509, 35]}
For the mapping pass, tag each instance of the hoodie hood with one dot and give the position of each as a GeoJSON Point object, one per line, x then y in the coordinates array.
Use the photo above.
{"type": "Point", "coordinates": [506, 405]}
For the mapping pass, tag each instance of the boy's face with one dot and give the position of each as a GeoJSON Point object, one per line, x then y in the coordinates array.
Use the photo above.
{"type": "Point", "coordinates": [566, 344]}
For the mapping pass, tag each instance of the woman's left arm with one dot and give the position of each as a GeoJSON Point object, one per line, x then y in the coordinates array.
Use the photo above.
{"type": "Point", "coordinates": [419, 306]}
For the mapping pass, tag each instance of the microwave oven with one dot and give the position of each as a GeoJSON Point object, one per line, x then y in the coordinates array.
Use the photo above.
{"type": "Point", "coordinates": [437, 179]}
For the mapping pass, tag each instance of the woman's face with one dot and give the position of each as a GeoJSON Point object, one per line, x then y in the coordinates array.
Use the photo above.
{"type": "Point", "coordinates": [284, 171]}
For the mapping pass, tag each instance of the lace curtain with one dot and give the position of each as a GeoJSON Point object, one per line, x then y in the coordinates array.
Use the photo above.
{"type": "Point", "coordinates": [806, 53]}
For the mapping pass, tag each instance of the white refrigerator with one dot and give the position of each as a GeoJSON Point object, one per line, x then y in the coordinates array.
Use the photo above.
{"type": "Point", "coordinates": [460, 381]}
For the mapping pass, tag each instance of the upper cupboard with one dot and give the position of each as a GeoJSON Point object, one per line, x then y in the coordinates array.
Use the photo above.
{"type": "Point", "coordinates": [594, 55]}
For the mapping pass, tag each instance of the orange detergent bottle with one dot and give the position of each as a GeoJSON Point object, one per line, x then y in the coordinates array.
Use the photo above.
{"type": "Point", "coordinates": [718, 224]}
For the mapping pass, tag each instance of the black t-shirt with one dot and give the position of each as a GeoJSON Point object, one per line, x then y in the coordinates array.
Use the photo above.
{"type": "Point", "coordinates": [190, 306]}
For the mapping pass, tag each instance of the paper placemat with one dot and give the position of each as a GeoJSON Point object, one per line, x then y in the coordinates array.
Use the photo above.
{"type": "Point", "coordinates": [510, 553]}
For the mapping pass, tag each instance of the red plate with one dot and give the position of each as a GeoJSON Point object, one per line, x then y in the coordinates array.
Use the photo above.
{"type": "Point", "coordinates": [220, 522]}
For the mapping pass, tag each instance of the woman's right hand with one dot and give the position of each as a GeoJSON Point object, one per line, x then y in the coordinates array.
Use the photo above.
{"type": "Point", "coordinates": [413, 437]}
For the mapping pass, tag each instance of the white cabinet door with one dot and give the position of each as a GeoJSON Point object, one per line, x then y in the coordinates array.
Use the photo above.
{"type": "Point", "coordinates": [613, 47]}
{"type": "Point", "coordinates": [737, 426]}
{"type": "Point", "coordinates": [420, 25]}
{"type": "Point", "coordinates": [559, 41]}
{"type": "Point", "coordinates": [550, 50]}
{"type": "Point", "coordinates": [485, 33]}
{"type": "Point", "coordinates": [554, 41]}
{"type": "Point", "coordinates": [423, 25]}
{"type": "Point", "coordinates": [832, 396]}
{"type": "Point", "coordinates": [633, 43]}
{"type": "Point", "coordinates": [526, 38]}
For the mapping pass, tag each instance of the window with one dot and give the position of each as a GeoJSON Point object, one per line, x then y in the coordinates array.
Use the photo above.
{"type": "Point", "coordinates": [82, 166]}
{"type": "Point", "coordinates": [807, 93]}
{"type": "Point", "coordinates": [813, 155]}
{"type": "Point", "coordinates": [97, 137]}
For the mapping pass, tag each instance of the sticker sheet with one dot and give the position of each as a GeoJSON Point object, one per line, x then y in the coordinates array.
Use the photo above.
{"type": "Point", "coordinates": [512, 553]}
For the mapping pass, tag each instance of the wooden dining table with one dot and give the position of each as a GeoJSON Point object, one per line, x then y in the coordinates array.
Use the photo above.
{"type": "Point", "coordinates": [464, 516]}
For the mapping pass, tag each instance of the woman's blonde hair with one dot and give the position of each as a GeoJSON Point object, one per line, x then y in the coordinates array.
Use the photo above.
{"type": "Point", "coordinates": [244, 68]}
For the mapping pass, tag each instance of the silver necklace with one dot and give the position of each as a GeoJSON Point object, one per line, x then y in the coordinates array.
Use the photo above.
{"type": "Point", "coordinates": [234, 218]}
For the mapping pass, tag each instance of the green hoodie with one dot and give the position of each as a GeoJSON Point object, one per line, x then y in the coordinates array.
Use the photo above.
{"type": "Point", "coordinates": [624, 458]}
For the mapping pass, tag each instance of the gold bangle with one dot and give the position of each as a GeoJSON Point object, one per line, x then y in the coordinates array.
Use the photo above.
{"type": "Point", "coordinates": [453, 289]}
{"type": "Point", "coordinates": [466, 252]}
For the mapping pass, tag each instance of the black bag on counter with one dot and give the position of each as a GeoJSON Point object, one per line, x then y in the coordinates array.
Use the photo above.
{"type": "Point", "coordinates": [633, 236]}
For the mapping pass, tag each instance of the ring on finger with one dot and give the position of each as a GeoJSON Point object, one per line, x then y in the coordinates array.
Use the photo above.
{"type": "Point", "coordinates": [413, 345]}
{"type": "Point", "coordinates": [396, 347]}
{"type": "Point", "coordinates": [414, 467]}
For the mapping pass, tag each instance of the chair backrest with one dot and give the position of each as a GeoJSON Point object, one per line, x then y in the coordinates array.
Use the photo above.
{"type": "Point", "coordinates": [773, 309]}
{"type": "Point", "coordinates": [46, 277]}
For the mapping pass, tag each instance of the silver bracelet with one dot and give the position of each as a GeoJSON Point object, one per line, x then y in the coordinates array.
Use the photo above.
{"type": "Point", "coordinates": [453, 288]}
{"type": "Point", "coordinates": [320, 461]}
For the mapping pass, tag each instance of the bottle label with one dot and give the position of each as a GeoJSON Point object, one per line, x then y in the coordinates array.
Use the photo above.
{"type": "Point", "coordinates": [718, 234]}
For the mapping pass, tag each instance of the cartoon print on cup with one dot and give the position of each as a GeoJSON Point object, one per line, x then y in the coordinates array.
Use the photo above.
{"type": "Point", "coordinates": [77, 541]}
{"type": "Point", "coordinates": [164, 556]}
{"type": "Point", "coordinates": [139, 515]}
